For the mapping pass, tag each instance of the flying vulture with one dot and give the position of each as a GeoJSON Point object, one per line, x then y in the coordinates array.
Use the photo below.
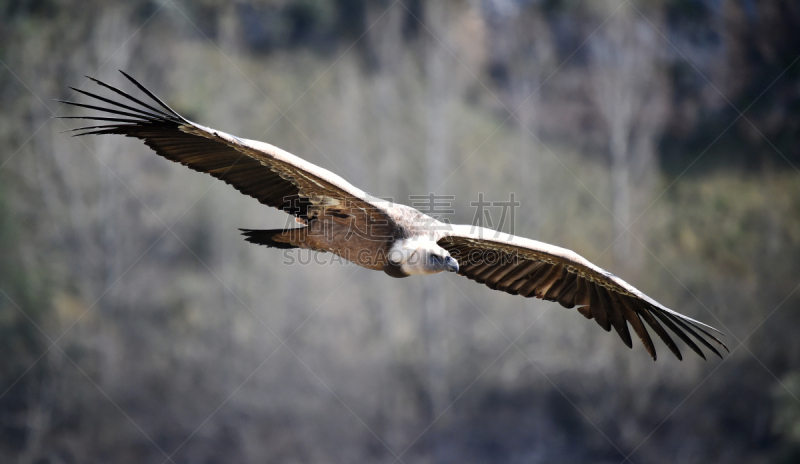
{"type": "Point", "coordinates": [337, 217]}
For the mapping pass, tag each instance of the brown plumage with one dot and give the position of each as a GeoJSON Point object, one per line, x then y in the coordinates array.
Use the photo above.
{"type": "Point", "coordinates": [337, 217]}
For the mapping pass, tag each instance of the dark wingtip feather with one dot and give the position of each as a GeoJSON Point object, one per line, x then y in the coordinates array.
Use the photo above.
{"type": "Point", "coordinates": [677, 331]}
{"type": "Point", "coordinates": [143, 113]}
{"type": "Point", "coordinates": [691, 332]}
{"type": "Point", "coordinates": [171, 116]}
{"type": "Point", "coordinates": [597, 308]}
{"type": "Point", "coordinates": [99, 118]}
{"type": "Point", "coordinates": [104, 126]}
{"type": "Point", "coordinates": [662, 334]}
{"type": "Point", "coordinates": [107, 110]}
{"type": "Point", "coordinates": [97, 132]}
{"type": "Point", "coordinates": [689, 322]}
{"type": "Point", "coordinates": [630, 315]}
{"type": "Point", "coordinates": [149, 93]}
{"type": "Point", "coordinates": [688, 319]}
{"type": "Point", "coordinates": [617, 315]}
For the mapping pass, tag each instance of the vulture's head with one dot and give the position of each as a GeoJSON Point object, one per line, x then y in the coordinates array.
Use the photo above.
{"type": "Point", "coordinates": [420, 255]}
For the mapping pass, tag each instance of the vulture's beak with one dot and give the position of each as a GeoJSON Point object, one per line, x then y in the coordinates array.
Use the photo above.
{"type": "Point", "coordinates": [452, 264]}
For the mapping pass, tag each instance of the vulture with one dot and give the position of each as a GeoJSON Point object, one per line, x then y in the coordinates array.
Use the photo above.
{"type": "Point", "coordinates": [335, 216]}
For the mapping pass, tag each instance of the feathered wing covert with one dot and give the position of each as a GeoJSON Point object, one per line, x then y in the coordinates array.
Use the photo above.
{"type": "Point", "coordinates": [279, 179]}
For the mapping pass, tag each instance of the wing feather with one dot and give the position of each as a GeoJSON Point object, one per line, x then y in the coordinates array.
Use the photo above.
{"type": "Point", "coordinates": [516, 274]}
{"type": "Point", "coordinates": [598, 308]}
{"type": "Point", "coordinates": [694, 334]}
{"type": "Point", "coordinates": [544, 273]}
{"type": "Point", "coordinates": [561, 286]}
{"type": "Point", "coordinates": [270, 175]}
{"type": "Point", "coordinates": [495, 277]}
{"type": "Point", "coordinates": [614, 312]}
{"type": "Point", "coordinates": [633, 318]}
{"type": "Point", "coordinates": [674, 328]}
{"type": "Point", "coordinates": [558, 274]}
{"type": "Point", "coordinates": [530, 268]}
{"type": "Point", "coordinates": [566, 297]}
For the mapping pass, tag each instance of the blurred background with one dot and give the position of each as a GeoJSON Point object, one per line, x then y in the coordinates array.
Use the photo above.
{"type": "Point", "coordinates": [657, 139]}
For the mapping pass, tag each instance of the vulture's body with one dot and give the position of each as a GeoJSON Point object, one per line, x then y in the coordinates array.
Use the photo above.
{"type": "Point", "coordinates": [334, 216]}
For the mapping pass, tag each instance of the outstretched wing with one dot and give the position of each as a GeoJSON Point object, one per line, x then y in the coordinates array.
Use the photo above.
{"type": "Point", "coordinates": [529, 268]}
{"type": "Point", "coordinates": [272, 176]}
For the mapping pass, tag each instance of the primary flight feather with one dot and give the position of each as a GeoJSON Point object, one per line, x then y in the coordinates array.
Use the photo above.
{"type": "Point", "coordinates": [336, 217]}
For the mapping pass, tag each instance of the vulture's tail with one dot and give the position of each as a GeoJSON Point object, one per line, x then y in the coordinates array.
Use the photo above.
{"type": "Point", "coordinates": [276, 238]}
